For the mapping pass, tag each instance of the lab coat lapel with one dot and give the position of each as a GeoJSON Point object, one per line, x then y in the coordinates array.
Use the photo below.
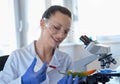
{"type": "Point", "coordinates": [54, 61]}
{"type": "Point", "coordinates": [38, 64]}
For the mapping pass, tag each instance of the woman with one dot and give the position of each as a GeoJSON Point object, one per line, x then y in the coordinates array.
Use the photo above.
{"type": "Point", "coordinates": [23, 65]}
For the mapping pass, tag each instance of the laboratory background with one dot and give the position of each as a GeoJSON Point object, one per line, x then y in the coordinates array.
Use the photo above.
{"type": "Point", "coordinates": [97, 19]}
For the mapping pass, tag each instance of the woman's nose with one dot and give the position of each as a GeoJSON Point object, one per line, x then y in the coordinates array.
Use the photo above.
{"type": "Point", "coordinates": [61, 35]}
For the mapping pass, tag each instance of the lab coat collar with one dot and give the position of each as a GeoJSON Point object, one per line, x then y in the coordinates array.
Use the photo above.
{"type": "Point", "coordinates": [55, 60]}
{"type": "Point", "coordinates": [34, 54]}
{"type": "Point", "coordinates": [31, 48]}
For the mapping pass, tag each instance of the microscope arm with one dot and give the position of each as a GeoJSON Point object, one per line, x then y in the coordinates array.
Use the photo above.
{"type": "Point", "coordinates": [81, 64]}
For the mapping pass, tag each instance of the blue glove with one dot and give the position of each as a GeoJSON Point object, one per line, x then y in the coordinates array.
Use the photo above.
{"type": "Point", "coordinates": [63, 80]}
{"type": "Point", "coordinates": [31, 77]}
{"type": "Point", "coordinates": [76, 81]}
{"type": "Point", "coordinates": [69, 80]}
{"type": "Point", "coordinates": [82, 80]}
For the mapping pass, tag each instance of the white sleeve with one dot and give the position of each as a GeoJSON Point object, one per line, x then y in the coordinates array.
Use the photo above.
{"type": "Point", "coordinates": [9, 74]}
{"type": "Point", "coordinates": [70, 63]}
{"type": "Point", "coordinates": [16, 81]}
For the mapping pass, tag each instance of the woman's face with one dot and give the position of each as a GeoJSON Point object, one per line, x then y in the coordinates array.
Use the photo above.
{"type": "Point", "coordinates": [56, 29]}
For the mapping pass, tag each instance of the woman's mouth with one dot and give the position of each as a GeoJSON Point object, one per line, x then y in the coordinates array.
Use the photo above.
{"type": "Point", "coordinates": [56, 40]}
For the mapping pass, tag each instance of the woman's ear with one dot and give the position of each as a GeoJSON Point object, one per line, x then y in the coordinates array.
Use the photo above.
{"type": "Point", "coordinates": [42, 23]}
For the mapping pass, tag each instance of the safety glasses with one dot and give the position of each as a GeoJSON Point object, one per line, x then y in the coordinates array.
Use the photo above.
{"type": "Point", "coordinates": [56, 28]}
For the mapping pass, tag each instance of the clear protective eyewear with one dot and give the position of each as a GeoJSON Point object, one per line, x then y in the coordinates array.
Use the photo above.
{"type": "Point", "coordinates": [56, 29]}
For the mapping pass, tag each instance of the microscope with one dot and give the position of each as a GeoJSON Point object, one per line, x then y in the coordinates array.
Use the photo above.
{"type": "Point", "coordinates": [103, 51]}
{"type": "Point", "coordinates": [105, 58]}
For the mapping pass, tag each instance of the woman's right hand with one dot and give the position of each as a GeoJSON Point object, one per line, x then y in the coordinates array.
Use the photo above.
{"type": "Point", "coordinates": [69, 80]}
{"type": "Point", "coordinates": [31, 77]}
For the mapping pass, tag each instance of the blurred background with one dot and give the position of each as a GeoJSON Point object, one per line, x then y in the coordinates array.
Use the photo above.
{"type": "Point", "coordinates": [98, 19]}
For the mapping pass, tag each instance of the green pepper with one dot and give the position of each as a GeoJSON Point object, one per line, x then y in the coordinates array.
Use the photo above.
{"type": "Point", "coordinates": [80, 74]}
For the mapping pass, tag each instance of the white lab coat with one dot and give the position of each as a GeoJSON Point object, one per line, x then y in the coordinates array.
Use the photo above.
{"type": "Point", "coordinates": [21, 59]}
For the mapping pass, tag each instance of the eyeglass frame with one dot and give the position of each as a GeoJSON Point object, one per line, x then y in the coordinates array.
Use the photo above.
{"type": "Point", "coordinates": [55, 29]}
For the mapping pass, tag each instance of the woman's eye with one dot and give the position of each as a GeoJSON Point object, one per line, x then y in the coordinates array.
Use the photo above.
{"type": "Point", "coordinates": [57, 28]}
{"type": "Point", "coordinates": [66, 32]}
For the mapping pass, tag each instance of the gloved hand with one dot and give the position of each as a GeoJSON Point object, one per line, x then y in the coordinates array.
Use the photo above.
{"type": "Point", "coordinates": [31, 77]}
{"type": "Point", "coordinates": [63, 80]}
{"type": "Point", "coordinates": [82, 80]}
{"type": "Point", "coordinates": [76, 81]}
{"type": "Point", "coordinates": [69, 80]}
